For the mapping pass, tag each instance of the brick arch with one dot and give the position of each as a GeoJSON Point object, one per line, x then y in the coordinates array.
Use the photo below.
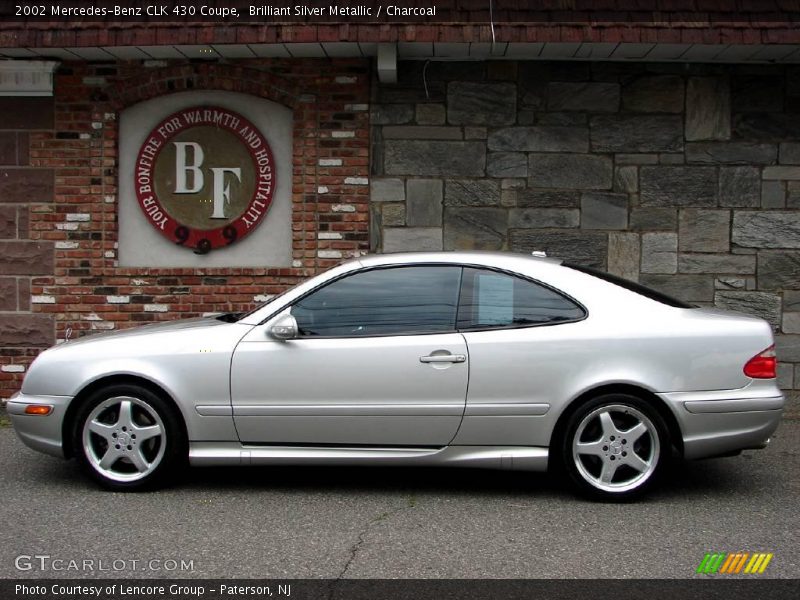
{"type": "Point", "coordinates": [153, 83]}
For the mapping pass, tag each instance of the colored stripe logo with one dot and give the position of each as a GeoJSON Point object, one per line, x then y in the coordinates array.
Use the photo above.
{"type": "Point", "coordinates": [734, 563]}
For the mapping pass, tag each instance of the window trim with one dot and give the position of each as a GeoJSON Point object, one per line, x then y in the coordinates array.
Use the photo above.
{"type": "Point", "coordinates": [461, 266]}
{"type": "Point", "coordinates": [528, 279]}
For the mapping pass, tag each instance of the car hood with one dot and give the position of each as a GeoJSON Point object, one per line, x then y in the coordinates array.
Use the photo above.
{"type": "Point", "coordinates": [166, 327]}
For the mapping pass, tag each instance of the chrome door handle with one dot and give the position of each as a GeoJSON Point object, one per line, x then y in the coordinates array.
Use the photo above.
{"type": "Point", "coordinates": [443, 358]}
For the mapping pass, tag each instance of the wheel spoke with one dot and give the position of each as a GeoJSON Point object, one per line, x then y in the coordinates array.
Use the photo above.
{"type": "Point", "coordinates": [101, 429]}
{"type": "Point", "coordinates": [125, 413]}
{"type": "Point", "coordinates": [138, 460]}
{"type": "Point", "coordinates": [635, 432]}
{"type": "Point", "coordinates": [608, 471]}
{"type": "Point", "coordinates": [607, 424]}
{"type": "Point", "coordinates": [593, 448]}
{"type": "Point", "coordinates": [109, 458]}
{"type": "Point", "coordinates": [145, 433]}
{"type": "Point", "coordinates": [636, 462]}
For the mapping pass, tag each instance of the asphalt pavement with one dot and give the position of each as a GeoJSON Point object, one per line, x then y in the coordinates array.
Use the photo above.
{"type": "Point", "coordinates": [394, 523]}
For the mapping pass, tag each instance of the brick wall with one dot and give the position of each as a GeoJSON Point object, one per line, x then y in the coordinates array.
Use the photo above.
{"type": "Point", "coordinates": [684, 177]}
{"type": "Point", "coordinates": [58, 202]}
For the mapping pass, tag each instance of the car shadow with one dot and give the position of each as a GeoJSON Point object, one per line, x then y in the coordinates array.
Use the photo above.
{"type": "Point", "coordinates": [706, 479]}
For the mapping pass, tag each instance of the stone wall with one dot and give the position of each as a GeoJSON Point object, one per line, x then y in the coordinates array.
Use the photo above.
{"type": "Point", "coordinates": [683, 177]}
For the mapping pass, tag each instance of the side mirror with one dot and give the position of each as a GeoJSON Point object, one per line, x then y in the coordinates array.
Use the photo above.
{"type": "Point", "coordinates": [285, 328]}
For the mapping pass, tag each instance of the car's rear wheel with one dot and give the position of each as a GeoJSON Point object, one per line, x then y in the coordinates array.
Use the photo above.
{"type": "Point", "coordinates": [127, 438]}
{"type": "Point", "coordinates": [615, 447]}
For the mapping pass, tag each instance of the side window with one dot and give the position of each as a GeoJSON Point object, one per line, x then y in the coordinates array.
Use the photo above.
{"type": "Point", "coordinates": [391, 301]}
{"type": "Point", "coordinates": [492, 300]}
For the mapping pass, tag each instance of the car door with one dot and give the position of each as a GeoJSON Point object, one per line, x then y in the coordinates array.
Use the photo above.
{"type": "Point", "coordinates": [523, 339]}
{"type": "Point", "coordinates": [376, 361]}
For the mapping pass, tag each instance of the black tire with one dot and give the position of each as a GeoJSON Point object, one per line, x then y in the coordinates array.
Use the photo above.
{"type": "Point", "coordinates": [634, 465]}
{"type": "Point", "coordinates": [128, 438]}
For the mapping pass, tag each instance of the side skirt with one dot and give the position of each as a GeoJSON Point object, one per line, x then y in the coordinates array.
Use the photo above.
{"type": "Point", "coordinates": [519, 458]}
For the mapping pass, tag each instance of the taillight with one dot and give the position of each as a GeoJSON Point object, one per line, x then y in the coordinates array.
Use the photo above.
{"type": "Point", "coordinates": [762, 366]}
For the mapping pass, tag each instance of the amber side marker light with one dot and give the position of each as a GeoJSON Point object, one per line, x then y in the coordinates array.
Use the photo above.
{"type": "Point", "coordinates": [38, 409]}
{"type": "Point", "coordinates": [763, 365]}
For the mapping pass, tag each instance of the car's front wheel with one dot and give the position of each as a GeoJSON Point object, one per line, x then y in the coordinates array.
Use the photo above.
{"type": "Point", "coordinates": [128, 438]}
{"type": "Point", "coordinates": [615, 447]}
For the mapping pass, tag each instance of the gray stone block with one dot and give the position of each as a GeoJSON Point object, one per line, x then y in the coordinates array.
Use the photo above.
{"type": "Point", "coordinates": [430, 114]}
{"type": "Point", "coordinates": [424, 204]}
{"type": "Point", "coordinates": [387, 190]}
{"type": "Point", "coordinates": [792, 194]}
{"type": "Point", "coordinates": [708, 109]}
{"type": "Point", "coordinates": [602, 210]}
{"type": "Point", "coordinates": [636, 159]}
{"type": "Point", "coordinates": [586, 248]}
{"type": "Point", "coordinates": [571, 171]}
{"type": "Point", "coordinates": [412, 239]}
{"type": "Point", "coordinates": [654, 219]}
{"type": "Point", "coordinates": [771, 229]}
{"type": "Point", "coordinates": [739, 186]}
{"type": "Point", "coordinates": [475, 133]}
{"type": "Point", "coordinates": [689, 288]}
{"type": "Point", "coordinates": [471, 192]}
{"type": "Point", "coordinates": [659, 253]}
{"type": "Point", "coordinates": [391, 114]}
{"type": "Point", "coordinates": [730, 283]}
{"type": "Point", "coordinates": [538, 218]}
{"type": "Point", "coordinates": [790, 153]}
{"type": "Point", "coordinates": [420, 132]}
{"type": "Point", "coordinates": [739, 264]}
{"type": "Point", "coordinates": [637, 133]}
{"type": "Point", "coordinates": [583, 96]}
{"type": "Point", "coordinates": [791, 301]}
{"type": "Point", "coordinates": [779, 270]}
{"type": "Point", "coordinates": [506, 164]}
{"type": "Point", "coordinates": [788, 173]}
{"type": "Point", "coordinates": [476, 103]}
{"type": "Point", "coordinates": [773, 194]}
{"type": "Point", "coordinates": [678, 186]}
{"type": "Point", "coordinates": [475, 228]}
{"type": "Point", "coordinates": [654, 94]}
{"type": "Point", "coordinates": [731, 153]}
{"type": "Point", "coordinates": [624, 255]}
{"type": "Point", "coordinates": [425, 158]}
{"type": "Point", "coordinates": [565, 119]}
{"type": "Point", "coordinates": [758, 304]}
{"type": "Point", "coordinates": [704, 230]}
{"type": "Point", "coordinates": [547, 198]}
{"type": "Point", "coordinates": [540, 139]}
{"type": "Point", "coordinates": [785, 375]}
{"type": "Point", "coordinates": [791, 322]}
{"type": "Point", "coordinates": [787, 347]}
{"type": "Point", "coordinates": [626, 179]}
{"type": "Point", "coordinates": [393, 214]}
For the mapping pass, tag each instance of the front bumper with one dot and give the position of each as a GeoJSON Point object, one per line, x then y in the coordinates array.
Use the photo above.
{"type": "Point", "coordinates": [715, 423]}
{"type": "Point", "coordinates": [40, 432]}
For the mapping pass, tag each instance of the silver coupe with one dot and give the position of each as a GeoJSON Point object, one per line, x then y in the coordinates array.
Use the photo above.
{"type": "Point", "coordinates": [494, 360]}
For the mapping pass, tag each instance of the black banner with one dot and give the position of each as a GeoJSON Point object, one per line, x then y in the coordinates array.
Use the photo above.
{"type": "Point", "coordinates": [67, 12]}
{"type": "Point", "coordinates": [712, 588]}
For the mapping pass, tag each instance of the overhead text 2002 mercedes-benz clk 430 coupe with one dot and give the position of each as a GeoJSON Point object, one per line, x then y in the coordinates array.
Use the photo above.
{"type": "Point", "coordinates": [452, 359]}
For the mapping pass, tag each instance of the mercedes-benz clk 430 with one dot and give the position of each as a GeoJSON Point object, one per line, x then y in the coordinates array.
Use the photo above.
{"type": "Point", "coordinates": [466, 359]}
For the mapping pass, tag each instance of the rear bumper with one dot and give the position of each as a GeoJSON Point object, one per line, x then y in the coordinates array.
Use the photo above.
{"type": "Point", "coordinates": [40, 432]}
{"type": "Point", "coordinates": [720, 422]}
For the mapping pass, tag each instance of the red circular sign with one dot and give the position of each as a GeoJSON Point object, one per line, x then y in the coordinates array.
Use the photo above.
{"type": "Point", "coordinates": [204, 177]}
